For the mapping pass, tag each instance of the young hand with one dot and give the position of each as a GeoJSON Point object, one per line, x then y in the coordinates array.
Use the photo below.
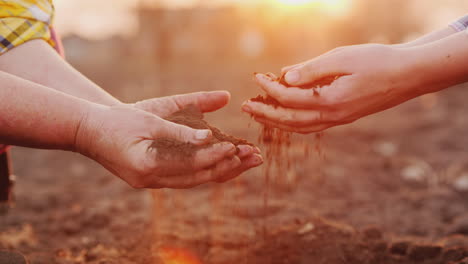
{"type": "Point", "coordinates": [370, 78]}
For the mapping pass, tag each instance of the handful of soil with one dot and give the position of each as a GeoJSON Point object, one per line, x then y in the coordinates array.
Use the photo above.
{"type": "Point", "coordinates": [315, 86]}
{"type": "Point", "coordinates": [192, 117]}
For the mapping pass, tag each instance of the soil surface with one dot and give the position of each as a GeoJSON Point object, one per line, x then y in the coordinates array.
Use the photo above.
{"type": "Point", "coordinates": [390, 188]}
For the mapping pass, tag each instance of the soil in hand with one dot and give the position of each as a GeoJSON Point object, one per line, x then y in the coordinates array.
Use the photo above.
{"type": "Point", "coordinates": [191, 116]}
{"type": "Point", "coordinates": [315, 86]}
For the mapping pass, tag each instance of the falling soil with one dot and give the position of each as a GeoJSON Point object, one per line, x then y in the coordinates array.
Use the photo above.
{"type": "Point", "coordinates": [191, 116]}
{"type": "Point", "coordinates": [278, 164]}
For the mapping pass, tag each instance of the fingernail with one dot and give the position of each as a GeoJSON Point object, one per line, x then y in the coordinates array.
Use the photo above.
{"type": "Point", "coordinates": [246, 108]}
{"type": "Point", "coordinates": [292, 76]}
{"type": "Point", "coordinates": [202, 134]}
{"type": "Point", "coordinates": [258, 160]}
{"type": "Point", "coordinates": [263, 77]}
{"type": "Point", "coordinates": [244, 150]}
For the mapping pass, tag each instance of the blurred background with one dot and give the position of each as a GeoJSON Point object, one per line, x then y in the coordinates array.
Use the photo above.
{"type": "Point", "coordinates": [145, 48]}
{"type": "Point", "coordinates": [404, 170]}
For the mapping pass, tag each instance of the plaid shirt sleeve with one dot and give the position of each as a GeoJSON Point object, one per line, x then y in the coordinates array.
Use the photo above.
{"type": "Point", "coordinates": [24, 20]}
{"type": "Point", "coordinates": [461, 24]}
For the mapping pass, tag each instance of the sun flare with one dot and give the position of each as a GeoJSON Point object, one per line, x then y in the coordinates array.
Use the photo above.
{"type": "Point", "coordinates": [295, 2]}
{"type": "Point", "coordinates": [336, 7]}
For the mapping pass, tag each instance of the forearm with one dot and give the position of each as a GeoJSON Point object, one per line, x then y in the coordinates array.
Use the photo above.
{"type": "Point", "coordinates": [428, 38]}
{"type": "Point", "coordinates": [32, 115]}
{"type": "Point", "coordinates": [36, 61]}
{"type": "Point", "coordinates": [441, 64]}
{"type": "Point", "coordinates": [454, 27]}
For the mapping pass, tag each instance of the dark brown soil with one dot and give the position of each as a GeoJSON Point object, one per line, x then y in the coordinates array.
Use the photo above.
{"type": "Point", "coordinates": [317, 84]}
{"type": "Point", "coordinates": [322, 241]}
{"type": "Point", "coordinates": [266, 100]}
{"type": "Point", "coordinates": [12, 257]}
{"type": "Point", "coordinates": [192, 116]}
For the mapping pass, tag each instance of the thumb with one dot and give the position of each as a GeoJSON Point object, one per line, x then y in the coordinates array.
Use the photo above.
{"type": "Point", "coordinates": [182, 133]}
{"type": "Point", "coordinates": [314, 70]}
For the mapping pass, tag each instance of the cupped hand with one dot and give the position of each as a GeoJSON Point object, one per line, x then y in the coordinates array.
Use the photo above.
{"type": "Point", "coordinates": [369, 78]}
{"type": "Point", "coordinates": [120, 138]}
{"type": "Point", "coordinates": [207, 102]}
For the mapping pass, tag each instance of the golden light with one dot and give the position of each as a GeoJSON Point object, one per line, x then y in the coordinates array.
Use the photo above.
{"type": "Point", "coordinates": [172, 255]}
{"type": "Point", "coordinates": [295, 2]}
{"type": "Point", "coordinates": [333, 7]}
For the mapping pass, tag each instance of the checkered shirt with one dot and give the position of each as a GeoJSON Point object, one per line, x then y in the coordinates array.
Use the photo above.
{"type": "Point", "coordinates": [24, 20]}
{"type": "Point", "coordinates": [461, 24]}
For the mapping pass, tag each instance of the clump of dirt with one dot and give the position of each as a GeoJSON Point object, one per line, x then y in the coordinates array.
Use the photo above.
{"type": "Point", "coordinates": [191, 116]}
{"type": "Point", "coordinates": [315, 86]}
{"type": "Point", "coordinates": [266, 100]}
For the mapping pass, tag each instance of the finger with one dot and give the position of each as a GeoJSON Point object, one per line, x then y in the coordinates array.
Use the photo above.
{"type": "Point", "coordinates": [244, 151]}
{"type": "Point", "coordinates": [271, 75]}
{"type": "Point", "coordinates": [200, 177]}
{"type": "Point", "coordinates": [315, 70]}
{"type": "Point", "coordinates": [249, 162]}
{"type": "Point", "coordinates": [288, 68]}
{"type": "Point", "coordinates": [287, 116]}
{"type": "Point", "coordinates": [208, 157]}
{"type": "Point", "coordinates": [175, 164]}
{"type": "Point", "coordinates": [205, 101]}
{"type": "Point", "coordinates": [257, 150]}
{"type": "Point", "coordinates": [292, 97]}
{"type": "Point", "coordinates": [166, 129]}
{"type": "Point", "coordinates": [300, 130]}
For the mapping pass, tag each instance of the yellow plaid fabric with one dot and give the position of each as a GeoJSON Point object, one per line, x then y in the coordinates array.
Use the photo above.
{"type": "Point", "coordinates": [24, 20]}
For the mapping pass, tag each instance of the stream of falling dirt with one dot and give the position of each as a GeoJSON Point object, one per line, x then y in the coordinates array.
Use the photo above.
{"type": "Point", "coordinates": [282, 151]}
{"type": "Point", "coordinates": [281, 155]}
{"type": "Point", "coordinates": [276, 144]}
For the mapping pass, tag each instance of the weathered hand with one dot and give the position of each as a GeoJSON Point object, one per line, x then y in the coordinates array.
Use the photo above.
{"type": "Point", "coordinates": [370, 78]}
{"type": "Point", "coordinates": [206, 102]}
{"type": "Point", "coordinates": [120, 138]}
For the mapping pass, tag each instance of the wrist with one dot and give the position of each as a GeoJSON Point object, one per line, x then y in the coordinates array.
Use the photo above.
{"type": "Point", "coordinates": [87, 129]}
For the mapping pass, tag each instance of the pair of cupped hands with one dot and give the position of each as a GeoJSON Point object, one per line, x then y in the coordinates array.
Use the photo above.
{"type": "Point", "coordinates": [120, 137]}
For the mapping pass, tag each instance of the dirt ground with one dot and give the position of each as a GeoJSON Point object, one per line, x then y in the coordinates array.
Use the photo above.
{"type": "Point", "coordinates": [391, 188]}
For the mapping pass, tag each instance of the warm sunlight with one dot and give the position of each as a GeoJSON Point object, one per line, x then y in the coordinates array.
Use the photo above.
{"type": "Point", "coordinates": [334, 7]}
{"type": "Point", "coordinates": [295, 2]}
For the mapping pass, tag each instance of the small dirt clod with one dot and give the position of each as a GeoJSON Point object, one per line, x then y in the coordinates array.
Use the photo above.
{"type": "Point", "coordinates": [191, 116]}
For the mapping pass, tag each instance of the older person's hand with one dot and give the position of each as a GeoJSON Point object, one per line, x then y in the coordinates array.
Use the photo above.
{"type": "Point", "coordinates": [120, 138]}
{"type": "Point", "coordinates": [207, 102]}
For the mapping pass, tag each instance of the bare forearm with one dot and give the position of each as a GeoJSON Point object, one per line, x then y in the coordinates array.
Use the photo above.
{"type": "Point", "coordinates": [441, 63]}
{"type": "Point", "coordinates": [36, 61]}
{"type": "Point", "coordinates": [35, 116]}
{"type": "Point", "coordinates": [428, 38]}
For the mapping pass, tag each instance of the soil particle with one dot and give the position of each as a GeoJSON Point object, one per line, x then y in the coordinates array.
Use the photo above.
{"type": "Point", "coordinates": [12, 257]}
{"type": "Point", "coordinates": [423, 252]}
{"type": "Point", "coordinates": [454, 254]}
{"type": "Point", "coordinates": [372, 233]}
{"type": "Point", "coordinates": [399, 248]}
{"type": "Point", "coordinates": [191, 116]}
